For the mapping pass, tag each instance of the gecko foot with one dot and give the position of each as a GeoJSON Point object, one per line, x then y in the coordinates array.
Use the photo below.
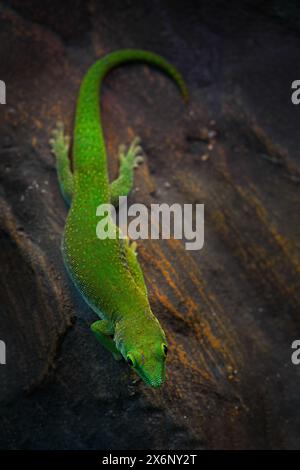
{"type": "Point", "coordinates": [133, 156]}
{"type": "Point", "coordinates": [132, 245]}
{"type": "Point", "coordinates": [59, 142]}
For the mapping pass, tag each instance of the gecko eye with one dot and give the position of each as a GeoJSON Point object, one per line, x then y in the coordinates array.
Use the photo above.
{"type": "Point", "coordinates": [165, 349]}
{"type": "Point", "coordinates": [130, 360]}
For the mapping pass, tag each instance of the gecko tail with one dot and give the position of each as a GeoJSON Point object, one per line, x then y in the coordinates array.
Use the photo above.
{"type": "Point", "coordinates": [88, 118]}
{"type": "Point", "coordinates": [102, 66]}
{"type": "Point", "coordinates": [137, 55]}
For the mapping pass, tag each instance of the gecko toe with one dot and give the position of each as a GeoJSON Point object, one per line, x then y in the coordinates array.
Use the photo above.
{"type": "Point", "coordinates": [136, 141]}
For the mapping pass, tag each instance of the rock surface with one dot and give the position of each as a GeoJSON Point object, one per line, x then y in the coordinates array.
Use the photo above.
{"type": "Point", "coordinates": [231, 310]}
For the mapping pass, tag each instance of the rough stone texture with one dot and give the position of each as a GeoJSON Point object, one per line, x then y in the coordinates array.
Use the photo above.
{"type": "Point", "coordinates": [230, 310]}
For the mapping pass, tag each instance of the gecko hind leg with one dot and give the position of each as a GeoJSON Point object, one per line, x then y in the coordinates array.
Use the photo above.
{"type": "Point", "coordinates": [60, 144]}
{"type": "Point", "coordinates": [129, 160]}
{"type": "Point", "coordinates": [102, 330]}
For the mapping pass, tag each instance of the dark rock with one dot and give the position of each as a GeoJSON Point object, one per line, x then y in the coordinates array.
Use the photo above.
{"type": "Point", "coordinates": [231, 311]}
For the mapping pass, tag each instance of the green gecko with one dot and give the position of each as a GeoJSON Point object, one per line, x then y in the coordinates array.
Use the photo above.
{"type": "Point", "coordinates": [107, 272]}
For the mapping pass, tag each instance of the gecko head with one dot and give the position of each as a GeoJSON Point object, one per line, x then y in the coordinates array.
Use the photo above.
{"type": "Point", "coordinates": [149, 364]}
{"type": "Point", "coordinates": [147, 356]}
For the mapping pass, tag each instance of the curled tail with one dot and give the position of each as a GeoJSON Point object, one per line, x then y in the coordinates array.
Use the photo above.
{"type": "Point", "coordinates": [88, 138]}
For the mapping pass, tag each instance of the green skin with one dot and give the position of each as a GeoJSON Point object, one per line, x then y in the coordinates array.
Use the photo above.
{"type": "Point", "coordinates": [107, 272]}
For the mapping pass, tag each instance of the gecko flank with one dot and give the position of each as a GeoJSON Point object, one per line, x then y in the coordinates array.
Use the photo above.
{"type": "Point", "coordinates": [107, 272]}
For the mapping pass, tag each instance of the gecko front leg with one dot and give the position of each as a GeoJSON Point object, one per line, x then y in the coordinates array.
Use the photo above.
{"type": "Point", "coordinates": [128, 162]}
{"type": "Point", "coordinates": [103, 332]}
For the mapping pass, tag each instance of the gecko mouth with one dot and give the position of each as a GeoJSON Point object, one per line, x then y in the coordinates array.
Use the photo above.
{"type": "Point", "coordinates": [153, 381]}
{"type": "Point", "coordinates": [156, 383]}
